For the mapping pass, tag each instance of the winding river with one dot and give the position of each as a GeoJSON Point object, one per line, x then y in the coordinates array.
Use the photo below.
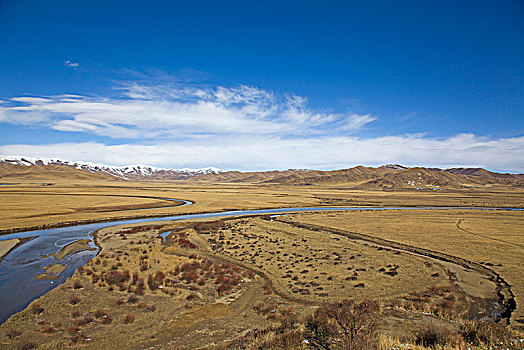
{"type": "Point", "coordinates": [18, 285]}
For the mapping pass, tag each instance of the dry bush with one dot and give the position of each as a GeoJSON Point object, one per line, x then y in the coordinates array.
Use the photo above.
{"type": "Point", "coordinates": [208, 226]}
{"type": "Point", "coordinates": [26, 345]}
{"type": "Point", "coordinates": [432, 335]}
{"type": "Point", "coordinates": [287, 340]}
{"type": "Point", "coordinates": [268, 290]}
{"type": "Point", "coordinates": [100, 313]}
{"type": "Point", "coordinates": [106, 319]}
{"type": "Point", "coordinates": [135, 278]}
{"type": "Point", "coordinates": [37, 308]}
{"type": "Point", "coordinates": [12, 333]}
{"type": "Point", "coordinates": [83, 321]}
{"type": "Point", "coordinates": [116, 277]}
{"type": "Point", "coordinates": [74, 299]}
{"type": "Point", "coordinates": [132, 299]}
{"type": "Point", "coordinates": [128, 318]}
{"type": "Point", "coordinates": [150, 308]}
{"type": "Point", "coordinates": [347, 324]}
{"type": "Point", "coordinates": [48, 329]}
{"type": "Point", "coordinates": [152, 284]}
{"type": "Point", "coordinates": [75, 313]}
{"type": "Point", "coordinates": [487, 333]}
{"type": "Point", "coordinates": [77, 284]}
{"type": "Point", "coordinates": [73, 330]}
{"type": "Point", "coordinates": [192, 296]}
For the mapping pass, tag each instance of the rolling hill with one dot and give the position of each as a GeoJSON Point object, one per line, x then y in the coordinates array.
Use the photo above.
{"type": "Point", "coordinates": [387, 176]}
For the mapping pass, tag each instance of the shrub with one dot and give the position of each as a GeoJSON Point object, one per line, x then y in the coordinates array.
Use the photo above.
{"type": "Point", "coordinates": [83, 321]}
{"type": "Point", "coordinates": [153, 285]}
{"type": "Point", "coordinates": [106, 319]}
{"type": "Point", "coordinates": [116, 277]}
{"type": "Point", "coordinates": [432, 335]}
{"type": "Point", "coordinates": [77, 284]}
{"type": "Point", "coordinates": [49, 329]}
{"type": "Point", "coordinates": [37, 309]}
{"type": "Point", "coordinates": [268, 290]}
{"type": "Point", "coordinates": [100, 313]}
{"type": "Point", "coordinates": [486, 333]}
{"type": "Point", "coordinates": [74, 299]}
{"type": "Point", "coordinates": [73, 330]}
{"type": "Point", "coordinates": [349, 323]}
{"type": "Point", "coordinates": [150, 308]}
{"type": "Point", "coordinates": [135, 278]}
{"type": "Point", "coordinates": [159, 276]}
{"type": "Point", "coordinates": [75, 313]}
{"type": "Point", "coordinates": [26, 345]}
{"type": "Point", "coordinates": [208, 226]}
{"type": "Point", "coordinates": [192, 296]}
{"type": "Point", "coordinates": [190, 277]}
{"type": "Point", "coordinates": [120, 301]}
{"type": "Point", "coordinates": [128, 318]}
{"type": "Point", "coordinates": [132, 299]}
{"type": "Point", "coordinates": [12, 333]}
{"type": "Point", "coordinates": [447, 304]}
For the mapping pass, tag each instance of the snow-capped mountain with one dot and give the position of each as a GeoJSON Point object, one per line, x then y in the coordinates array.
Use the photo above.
{"type": "Point", "coordinates": [128, 172]}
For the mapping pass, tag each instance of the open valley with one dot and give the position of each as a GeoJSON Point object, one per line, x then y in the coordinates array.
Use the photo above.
{"type": "Point", "coordinates": [423, 259]}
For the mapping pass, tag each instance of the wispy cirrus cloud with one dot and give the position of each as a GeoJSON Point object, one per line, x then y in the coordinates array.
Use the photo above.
{"type": "Point", "coordinates": [169, 111]}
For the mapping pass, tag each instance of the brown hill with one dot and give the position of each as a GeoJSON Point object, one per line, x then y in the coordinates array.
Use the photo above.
{"type": "Point", "coordinates": [388, 176]}
{"type": "Point", "coordinates": [366, 177]}
{"type": "Point", "coordinates": [14, 172]}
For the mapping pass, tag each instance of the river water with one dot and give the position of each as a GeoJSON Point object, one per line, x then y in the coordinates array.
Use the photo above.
{"type": "Point", "coordinates": [18, 286]}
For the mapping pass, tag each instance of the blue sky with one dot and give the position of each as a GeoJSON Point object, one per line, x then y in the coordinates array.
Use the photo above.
{"type": "Point", "coordinates": [256, 85]}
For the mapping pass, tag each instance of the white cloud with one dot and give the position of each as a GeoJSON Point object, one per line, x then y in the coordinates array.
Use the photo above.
{"type": "Point", "coordinates": [70, 64]}
{"type": "Point", "coordinates": [243, 128]}
{"type": "Point", "coordinates": [171, 112]}
{"type": "Point", "coordinates": [325, 152]}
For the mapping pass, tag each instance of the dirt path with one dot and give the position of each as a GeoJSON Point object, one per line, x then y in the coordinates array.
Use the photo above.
{"type": "Point", "coordinates": [487, 237]}
{"type": "Point", "coordinates": [503, 288]}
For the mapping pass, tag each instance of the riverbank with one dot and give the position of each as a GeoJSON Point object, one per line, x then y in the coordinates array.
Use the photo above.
{"type": "Point", "coordinates": [29, 205]}
{"type": "Point", "coordinates": [7, 246]}
{"type": "Point", "coordinates": [197, 290]}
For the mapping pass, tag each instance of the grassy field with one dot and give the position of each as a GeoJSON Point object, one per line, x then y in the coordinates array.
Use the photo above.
{"type": "Point", "coordinates": [491, 238]}
{"type": "Point", "coordinates": [249, 280]}
{"type": "Point", "coordinates": [29, 204]}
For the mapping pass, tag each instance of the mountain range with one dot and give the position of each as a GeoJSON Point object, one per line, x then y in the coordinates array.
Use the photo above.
{"type": "Point", "coordinates": [386, 176]}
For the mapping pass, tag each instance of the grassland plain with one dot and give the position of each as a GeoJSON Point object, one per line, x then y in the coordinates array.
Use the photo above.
{"type": "Point", "coordinates": [211, 283]}
{"type": "Point", "coordinates": [29, 204]}
{"type": "Point", "coordinates": [184, 293]}
{"type": "Point", "coordinates": [491, 238]}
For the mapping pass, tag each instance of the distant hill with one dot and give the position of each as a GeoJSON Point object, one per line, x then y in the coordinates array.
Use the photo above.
{"type": "Point", "coordinates": [387, 176]}
{"type": "Point", "coordinates": [129, 172]}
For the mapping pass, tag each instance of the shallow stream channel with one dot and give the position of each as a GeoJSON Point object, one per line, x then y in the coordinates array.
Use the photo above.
{"type": "Point", "coordinates": [26, 273]}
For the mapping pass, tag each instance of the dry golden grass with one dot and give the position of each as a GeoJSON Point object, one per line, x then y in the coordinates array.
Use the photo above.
{"type": "Point", "coordinates": [29, 204]}
{"type": "Point", "coordinates": [315, 267]}
{"type": "Point", "coordinates": [131, 294]}
{"type": "Point", "coordinates": [495, 238]}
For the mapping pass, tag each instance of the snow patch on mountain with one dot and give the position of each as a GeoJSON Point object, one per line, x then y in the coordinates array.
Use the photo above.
{"type": "Point", "coordinates": [124, 172]}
